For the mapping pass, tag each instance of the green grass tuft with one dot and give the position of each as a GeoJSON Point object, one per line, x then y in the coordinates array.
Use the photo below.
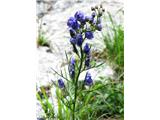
{"type": "Point", "coordinates": [42, 41]}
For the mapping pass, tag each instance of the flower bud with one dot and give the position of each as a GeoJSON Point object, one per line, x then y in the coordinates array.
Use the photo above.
{"type": "Point", "coordinates": [100, 12]}
{"type": "Point", "coordinates": [79, 39]}
{"type": "Point", "coordinates": [79, 15]}
{"type": "Point", "coordinates": [103, 10]}
{"type": "Point", "coordinates": [99, 27]}
{"type": "Point", "coordinates": [101, 6]}
{"type": "Point", "coordinates": [96, 7]}
{"type": "Point", "coordinates": [92, 8]}
{"type": "Point", "coordinates": [89, 35]}
{"type": "Point", "coordinates": [88, 79]}
{"type": "Point", "coordinates": [73, 40]}
{"type": "Point", "coordinates": [86, 48]}
{"type": "Point", "coordinates": [87, 61]}
{"type": "Point", "coordinates": [61, 83]}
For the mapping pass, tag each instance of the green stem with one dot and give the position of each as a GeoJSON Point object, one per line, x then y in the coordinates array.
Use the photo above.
{"type": "Point", "coordinates": [76, 84]}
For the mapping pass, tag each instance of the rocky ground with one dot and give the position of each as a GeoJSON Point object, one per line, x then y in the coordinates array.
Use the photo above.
{"type": "Point", "coordinates": [52, 16]}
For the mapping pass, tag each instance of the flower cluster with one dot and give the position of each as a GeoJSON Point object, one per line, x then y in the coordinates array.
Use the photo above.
{"type": "Point", "coordinates": [82, 27]}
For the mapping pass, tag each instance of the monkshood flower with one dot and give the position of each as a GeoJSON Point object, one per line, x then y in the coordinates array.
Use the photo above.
{"type": "Point", "coordinates": [89, 35]}
{"type": "Point", "coordinates": [99, 27]}
{"type": "Point", "coordinates": [88, 79]}
{"type": "Point", "coordinates": [61, 83]}
{"type": "Point", "coordinates": [73, 40]}
{"type": "Point", "coordinates": [72, 22]}
{"type": "Point", "coordinates": [79, 39]}
{"type": "Point", "coordinates": [72, 61]}
{"type": "Point", "coordinates": [79, 15]}
{"type": "Point", "coordinates": [72, 68]}
{"type": "Point", "coordinates": [89, 19]}
{"type": "Point", "coordinates": [86, 49]}
{"type": "Point", "coordinates": [83, 26]}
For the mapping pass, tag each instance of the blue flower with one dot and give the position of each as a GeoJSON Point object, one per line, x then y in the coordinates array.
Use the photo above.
{"type": "Point", "coordinates": [79, 15]}
{"type": "Point", "coordinates": [89, 35]}
{"type": "Point", "coordinates": [83, 21]}
{"type": "Point", "coordinates": [88, 79]}
{"type": "Point", "coordinates": [79, 39]}
{"type": "Point", "coordinates": [94, 22]}
{"type": "Point", "coordinates": [99, 27]}
{"type": "Point", "coordinates": [72, 61]}
{"type": "Point", "coordinates": [72, 22]}
{"type": "Point", "coordinates": [72, 68]}
{"type": "Point", "coordinates": [73, 40]}
{"type": "Point", "coordinates": [60, 83]}
{"type": "Point", "coordinates": [86, 48]}
{"type": "Point", "coordinates": [89, 18]}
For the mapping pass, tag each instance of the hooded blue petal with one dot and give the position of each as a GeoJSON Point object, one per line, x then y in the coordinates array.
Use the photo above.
{"type": "Point", "coordinates": [72, 22]}
{"type": "Point", "coordinates": [79, 15]}
{"type": "Point", "coordinates": [79, 39]}
{"type": "Point", "coordinates": [89, 35]}
{"type": "Point", "coordinates": [86, 48]}
{"type": "Point", "coordinates": [88, 79]}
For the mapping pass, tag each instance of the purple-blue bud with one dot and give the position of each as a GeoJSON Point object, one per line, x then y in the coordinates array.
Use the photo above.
{"type": "Point", "coordinates": [72, 61]}
{"type": "Point", "coordinates": [99, 27]}
{"type": "Point", "coordinates": [73, 40]}
{"type": "Point", "coordinates": [72, 22]}
{"type": "Point", "coordinates": [79, 39]}
{"type": "Point", "coordinates": [86, 48]}
{"type": "Point", "coordinates": [61, 83]}
{"type": "Point", "coordinates": [89, 18]}
{"type": "Point", "coordinates": [79, 15]}
{"type": "Point", "coordinates": [89, 35]}
{"type": "Point", "coordinates": [88, 79]}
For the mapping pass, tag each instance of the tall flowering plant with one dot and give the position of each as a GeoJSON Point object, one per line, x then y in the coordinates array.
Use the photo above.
{"type": "Point", "coordinates": [81, 29]}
